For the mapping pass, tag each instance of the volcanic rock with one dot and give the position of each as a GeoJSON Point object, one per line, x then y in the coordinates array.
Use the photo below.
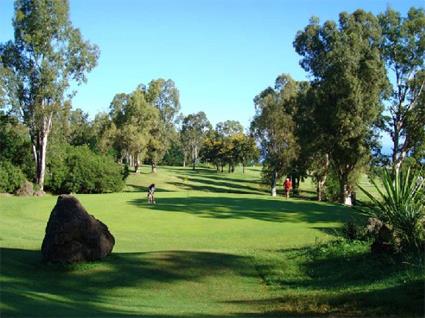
{"type": "Point", "coordinates": [73, 235]}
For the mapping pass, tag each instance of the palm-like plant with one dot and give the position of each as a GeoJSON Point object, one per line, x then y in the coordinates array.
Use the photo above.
{"type": "Point", "coordinates": [401, 205]}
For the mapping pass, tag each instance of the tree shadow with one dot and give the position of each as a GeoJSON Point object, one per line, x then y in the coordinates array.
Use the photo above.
{"type": "Point", "coordinates": [345, 281]}
{"type": "Point", "coordinates": [30, 288]}
{"type": "Point", "coordinates": [274, 210]}
{"type": "Point", "coordinates": [400, 301]}
{"type": "Point", "coordinates": [139, 188]}
{"type": "Point", "coordinates": [214, 174]}
{"type": "Point", "coordinates": [228, 186]}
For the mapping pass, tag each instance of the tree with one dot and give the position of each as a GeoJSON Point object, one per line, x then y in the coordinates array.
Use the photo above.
{"type": "Point", "coordinates": [225, 133]}
{"type": "Point", "coordinates": [194, 129]}
{"type": "Point", "coordinates": [403, 49]}
{"type": "Point", "coordinates": [164, 95]}
{"type": "Point", "coordinates": [80, 129]}
{"type": "Point", "coordinates": [246, 150]}
{"type": "Point", "coordinates": [135, 119]}
{"type": "Point", "coordinates": [45, 56]}
{"type": "Point", "coordinates": [350, 78]}
{"type": "Point", "coordinates": [15, 145]}
{"type": "Point", "coordinates": [274, 127]}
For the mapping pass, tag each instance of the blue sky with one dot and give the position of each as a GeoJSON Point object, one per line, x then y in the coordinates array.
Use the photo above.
{"type": "Point", "coordinates": [220, 53]}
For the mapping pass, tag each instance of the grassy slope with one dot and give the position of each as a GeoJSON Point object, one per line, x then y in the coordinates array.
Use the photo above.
{"type": "Point", "coordinates": [215, 245]}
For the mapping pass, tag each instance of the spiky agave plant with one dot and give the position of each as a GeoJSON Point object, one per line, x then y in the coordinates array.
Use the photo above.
{"type": "Point", "coordinates": [401, 205]}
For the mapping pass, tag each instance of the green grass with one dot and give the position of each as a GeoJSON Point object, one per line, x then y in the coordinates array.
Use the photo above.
{"type": "Point", "coordinates": [215, 245]}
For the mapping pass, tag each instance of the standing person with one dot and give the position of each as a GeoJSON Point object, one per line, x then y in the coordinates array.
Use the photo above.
{"type": "Point", "coordinates": [151, 191]}
{"type": "Point", "coordinates": [287, 185]}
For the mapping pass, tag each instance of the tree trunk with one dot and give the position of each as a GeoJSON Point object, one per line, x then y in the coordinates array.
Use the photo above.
{"type": "Point", "coordinates": [397, 163]}
{"type": "Point", "coordinates": [322, 179]}
{"type": "Point", "coordinates": [274, 180]}
{"type": "Point", "coordinates": [41, 150]}
{"type": "Point", "coordinates": [243, 168]}
{"type": "Point", "coordinates": [320, 188]}
{"type": "Point", "coordinates": [345, 191]}
{"type": "Point", "coordinates": [154, 170]}
{"type": "Point", "coordinates": [229, 168]}
{"type": "Point", "coordinates": [136, 164]}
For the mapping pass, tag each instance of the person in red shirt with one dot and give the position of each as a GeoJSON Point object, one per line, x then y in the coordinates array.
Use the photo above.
{"type": "Point", "coordinates": [287, 185]}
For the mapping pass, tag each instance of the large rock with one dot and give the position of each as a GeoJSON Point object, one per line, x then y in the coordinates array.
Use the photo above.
{"type": "Point", "coordinates": [73, 235]}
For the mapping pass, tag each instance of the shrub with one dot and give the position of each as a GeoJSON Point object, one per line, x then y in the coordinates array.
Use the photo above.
{"type": "Point", "coordinates": [80, 170]}
{"type": "Point", "coordinates": [401, 206]}
{"type": "Point", "coordinates": [11, 177]}
{"type": "Point", "coordinates": [353, 231]}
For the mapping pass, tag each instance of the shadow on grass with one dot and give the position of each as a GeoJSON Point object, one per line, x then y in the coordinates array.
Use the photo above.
{"type": "Point", "coordinates": [346, 280]}
{"type": "Point", "coordinates": [32, 289]}
{"type": "Point", "coordinates": [215, 175]}
{"type": "Point", "coordinates": [400, 301]}
{"type": "Point", "coordinates": [139, 188]}
{"type": "Point", "coordinates": [274, 210]}
{"type": "Point", "coordinates": [206, 184]}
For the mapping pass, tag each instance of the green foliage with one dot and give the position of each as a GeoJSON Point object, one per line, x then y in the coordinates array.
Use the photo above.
{"type": "Point", "coordinates": [401, 205]}
{"type": "Point", "coordinates": [174, 155]}
{"type": "Point", "coordinates": [332, 188]}
{"type": "Point", "coordinates": [15, 145]}
{"type": "Point", "coordinates": [79, 170]}
{"type": "Point", "coordinates": [11, 177]}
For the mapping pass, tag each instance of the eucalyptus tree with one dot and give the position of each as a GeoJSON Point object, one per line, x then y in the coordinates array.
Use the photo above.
{"type": "Point", "coordinates": [193, 132]}
{"type": "Point", "coordinates": [403, 49]}
{"type": "Point", "coordinates": [163, 95]}
{"type": "Point", "coordinates": [46, 55]}
{"type": "Point", "coordinates": [245, 149]}
{"type": "Point", "coordinates": [134, 118]}
{"type": "Point", "coordinates": [226, 132]}
{"type": "Point", "coordinates": [345, 63]}
{"type": "Point", "coordinates": [274, 128]}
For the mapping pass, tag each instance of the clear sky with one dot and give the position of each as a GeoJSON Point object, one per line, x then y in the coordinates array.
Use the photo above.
{"type": "Point", "coordinates": [220, 53]}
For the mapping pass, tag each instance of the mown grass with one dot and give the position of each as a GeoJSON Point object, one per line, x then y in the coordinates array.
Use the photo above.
{"type": "Point", "coordinates": [215, 245]}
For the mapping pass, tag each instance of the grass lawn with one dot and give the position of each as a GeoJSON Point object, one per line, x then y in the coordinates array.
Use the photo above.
{"type": "Point", "coordinates": [215, 245]}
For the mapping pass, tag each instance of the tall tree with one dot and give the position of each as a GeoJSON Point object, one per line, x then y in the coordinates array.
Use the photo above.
{"type": "Point", "coordinates": [164, 95]}
{"type": "Point", "coordinates": [135, 119]}
{"type": "Point", "coordinates": [403, 49]}
{"type": "Point", "coordinates": [45, 56]}
{"type": "Point", "coordinates": [194, 129]}
{"type": "Point", "coordinates": [225, 133]}
{"type": "Point", "coordinates": [349, 75]}
{"type": "Point", "coordinates": [274, 127]}
{"type": "Point", "coordinates": [245, 149]}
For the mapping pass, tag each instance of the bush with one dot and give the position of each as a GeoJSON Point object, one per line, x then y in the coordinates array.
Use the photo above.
{"type": "Point", "coordinates": [401, 207]}
{"type": "Point", "coordinates": [11, 177]}
{"type": "Point", "coordinates": [332, 188]}
{"type": "Point", "coordinates": [80, 170]}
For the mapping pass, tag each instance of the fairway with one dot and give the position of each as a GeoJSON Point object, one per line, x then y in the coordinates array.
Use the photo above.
{"type": "Point", "coordinates": [215, 245]}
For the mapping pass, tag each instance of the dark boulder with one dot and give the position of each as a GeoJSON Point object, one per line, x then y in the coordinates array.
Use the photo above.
{"type": "Point", "coordinates": [383, 237]}
{"type": "Point", "coordinates": [73, 235]}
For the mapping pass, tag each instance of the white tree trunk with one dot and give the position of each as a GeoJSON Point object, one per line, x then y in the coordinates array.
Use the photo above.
{"type": "Point", "coordinates": [274, 181]}
{"type": "Point", "coordinates": [41, 152]}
